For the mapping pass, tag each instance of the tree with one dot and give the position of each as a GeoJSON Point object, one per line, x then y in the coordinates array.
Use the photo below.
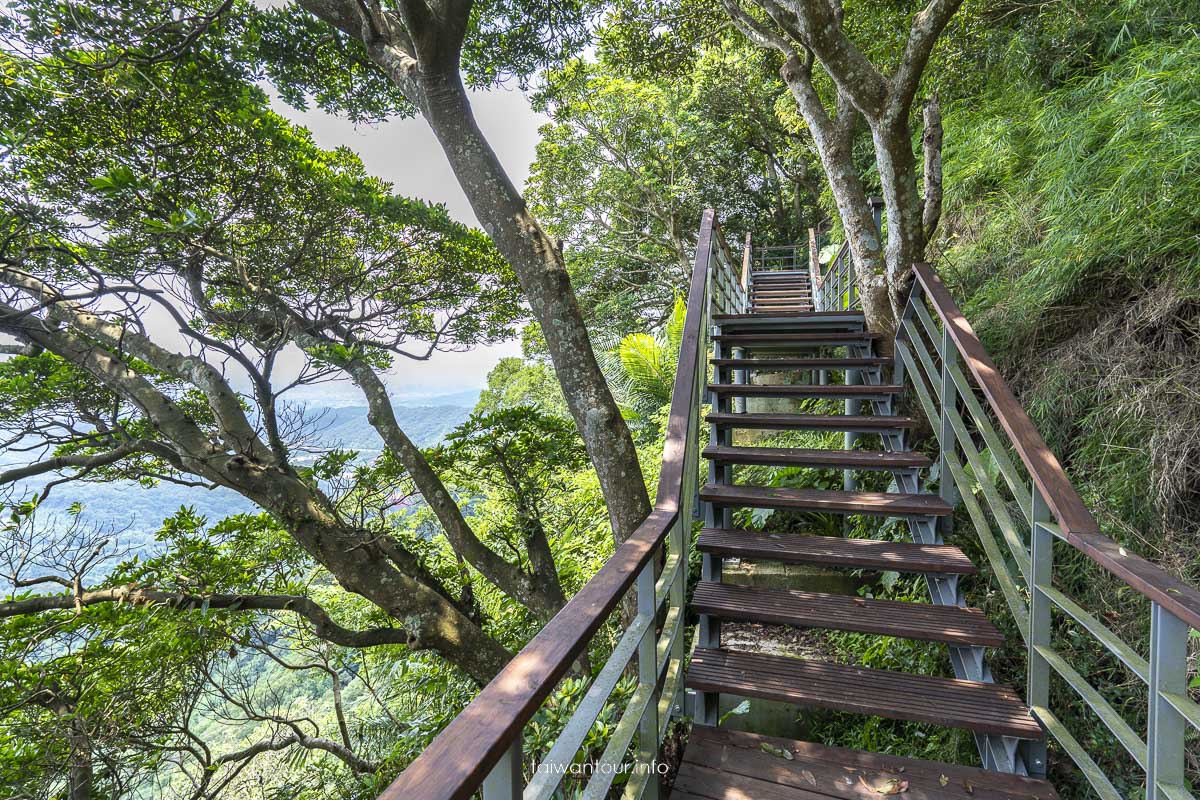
{"type": "Point", "coordinates": [424, 48]}
{"type": "Point", "coordinates": [105, 699]}
{"type": "Point", "coordinates": [628, 164]}
{"type": "Point", "coordinates": [521, 455]}
{"type": "Point", "coordinates": [642, 368]}
{"type": "Point", "coordinates": [277, 265]}
{"type": "Point", "coordinates": [808, 32]}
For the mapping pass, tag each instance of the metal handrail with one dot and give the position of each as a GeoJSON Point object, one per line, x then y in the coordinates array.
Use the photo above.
{"type": "Point", "coordinates": [837, 288]}
{"type": "Point", "coordinates": [481, 749]}
{"type": "Point", "coordinates": [936, 352]}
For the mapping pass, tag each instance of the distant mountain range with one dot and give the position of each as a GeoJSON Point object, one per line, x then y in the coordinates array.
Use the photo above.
{"type": "Point", "coordinates": [134, 514]}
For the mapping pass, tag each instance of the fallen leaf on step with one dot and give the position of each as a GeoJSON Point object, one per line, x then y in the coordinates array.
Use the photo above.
{"type": "Point", "coordinates": [970, 789]}
{"type": "Point", "coordinates": [808, 776]}
{"type": "Point", "coordinates": [778, 752]}
{"type": "Point", "coordinates": [943, 780]}
{"type": "Point", "coordinates": [890, 786]}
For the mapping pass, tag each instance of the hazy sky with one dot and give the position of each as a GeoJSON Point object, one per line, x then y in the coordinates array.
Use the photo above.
{"type": "Point", "coordinates": [405, 152]}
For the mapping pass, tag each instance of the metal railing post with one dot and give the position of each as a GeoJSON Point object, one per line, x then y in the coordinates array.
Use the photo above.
{"type": "Point", "coordinates": [849, 438]}
{"type": "Point", "coordinates": [504, 782]}
{"type": "Point", "coordinates": [1041, 575]}
{"type": "Point", "coordinates": [648, 679]}
{"type": "Point", "coordinates": [747, 275]}
{"type": "Point", "coordinates": [1166, 725]}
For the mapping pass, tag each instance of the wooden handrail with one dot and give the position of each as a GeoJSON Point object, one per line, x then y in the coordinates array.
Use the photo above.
{"type": "Point", "coordinates": [456, 762]}
{"type": "Point", "coordinates": [1076, 522]}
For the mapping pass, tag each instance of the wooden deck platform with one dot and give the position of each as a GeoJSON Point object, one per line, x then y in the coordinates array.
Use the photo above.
{"type": "Point", "coordinates": [720, 764]}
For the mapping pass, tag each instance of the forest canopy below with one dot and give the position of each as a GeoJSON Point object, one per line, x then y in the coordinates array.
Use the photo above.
{"type": "Point", "coordinates": [178, 261]}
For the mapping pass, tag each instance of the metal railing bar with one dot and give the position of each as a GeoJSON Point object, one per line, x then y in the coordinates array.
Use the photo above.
{"type": "Point", "coordinates": [1079, 526]}
{"type": "Point", "coordinates": [1186, 706]}
{"type": "Point", "coordinates": [991, 547]}
{"type": "Point", "coordinates": [666, 641]}
{"type": "Point", "coordinates": [932, 373]}
{"type": "Point", "coordinates": [995, 503]}
{"type": "Point", "coordinates": [614, 752]}
{"type": "Point", "coordinates": [1020, 489]}
{"type": "Point", "coordinates": [1105, 635]}
{"type": "Point", "coordinates": [670, 692]}
{"type": "Point", "coordinates": [931, 328]}
{"type": "Point", "coordinates": [1126, 735]}
{"type": "Point", "coordinates": [573, 734]}
{"type": "Point", "coordinates": [662, 586]}
{"type": "Point", "coordinates": [1087, 765]}
{"type": "Point", "coordinates": [1175, 792]}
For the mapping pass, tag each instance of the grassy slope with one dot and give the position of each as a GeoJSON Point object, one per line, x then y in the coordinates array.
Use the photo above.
{"type": "Point", "coordinates": [1073, 223]}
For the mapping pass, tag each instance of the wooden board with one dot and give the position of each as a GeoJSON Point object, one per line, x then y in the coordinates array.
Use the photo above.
{"type": "Point", "coordinates": [977, 706]}
{"type": "Point", "coordinates": [835, 551]}
{"type": "Point", "coordinates": [962, 627]}
{"type": "Point", "coordinates": [803, 390]}
{"type": "Point", "coordinates": [816, 457]}
{"type": "Point", "coordinates": [719, 764]}
{"type": "Point", "coordinates": [769, 364]}
{"type": "Point", "coordinates": [812, 422]}
{"type": "Point", "coordinates": [873, 503]}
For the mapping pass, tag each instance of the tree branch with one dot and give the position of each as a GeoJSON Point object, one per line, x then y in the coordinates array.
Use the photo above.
{"type": "Point", "coordinates": [323, 625]}
{"type": "Point", "coordinates": [931, 142]}
{"type": "Point", "coordinates": [927, 26]}
{"type": "Point", "coordinates": [851, 71]}
{"type": "Point", "coordinates": [276, 743]}
{"type": "Point", "coordinates": [87, 462]}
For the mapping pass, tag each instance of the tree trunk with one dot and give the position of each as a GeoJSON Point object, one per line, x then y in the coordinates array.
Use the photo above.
{"type": "Point", "coordinates": [80, 772]}
{"type": "Point", "coordinates": [834, 139]}
{"type": "Point", "coordinates": [898, 179]}
{"type": "Point", "coordinates": [539, 267]}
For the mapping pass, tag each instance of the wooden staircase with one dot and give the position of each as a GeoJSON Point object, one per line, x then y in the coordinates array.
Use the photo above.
{"type": "Point", "coordinates": [781, 291]}
{"type": "Point", "coordinates": [782, 334]}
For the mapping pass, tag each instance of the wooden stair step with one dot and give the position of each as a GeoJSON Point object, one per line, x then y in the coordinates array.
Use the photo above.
{"type": "Point", "coordinates": [961, 627]}
{"type": "Point", "coordinates": [826, 500]}
{"type": "Point", "coordinates": [804, 390]}
{"type": "Point", "coordinates": [814, 316]}
{"type": "Point", "coordinates": [801, 363]}
{"type": "Point", "coordinates": [835, 337]}
{"type": "Point", "coordinates": [854, 423]}
{"type": "Point", "coordinates": [724, 764]}
{"type": "Point", "coordinates": [816, 457]}
{"type": "Point", "coordinates": [781, 302]}
{"type": "Point", "coordinates": [974, 705]}
{"type": "Point", "coordinates": [778, 274]}
{"type": "Point", "coordinates": [835, 551]}
{"type": "Point", "coordinates": [800, 309]}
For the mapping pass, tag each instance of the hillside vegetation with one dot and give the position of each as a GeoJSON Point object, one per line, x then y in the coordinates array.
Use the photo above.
{"type": "Point", "coordinates": [435, 542]}
{"type": "Point", "coordinates": [1072, 243]}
